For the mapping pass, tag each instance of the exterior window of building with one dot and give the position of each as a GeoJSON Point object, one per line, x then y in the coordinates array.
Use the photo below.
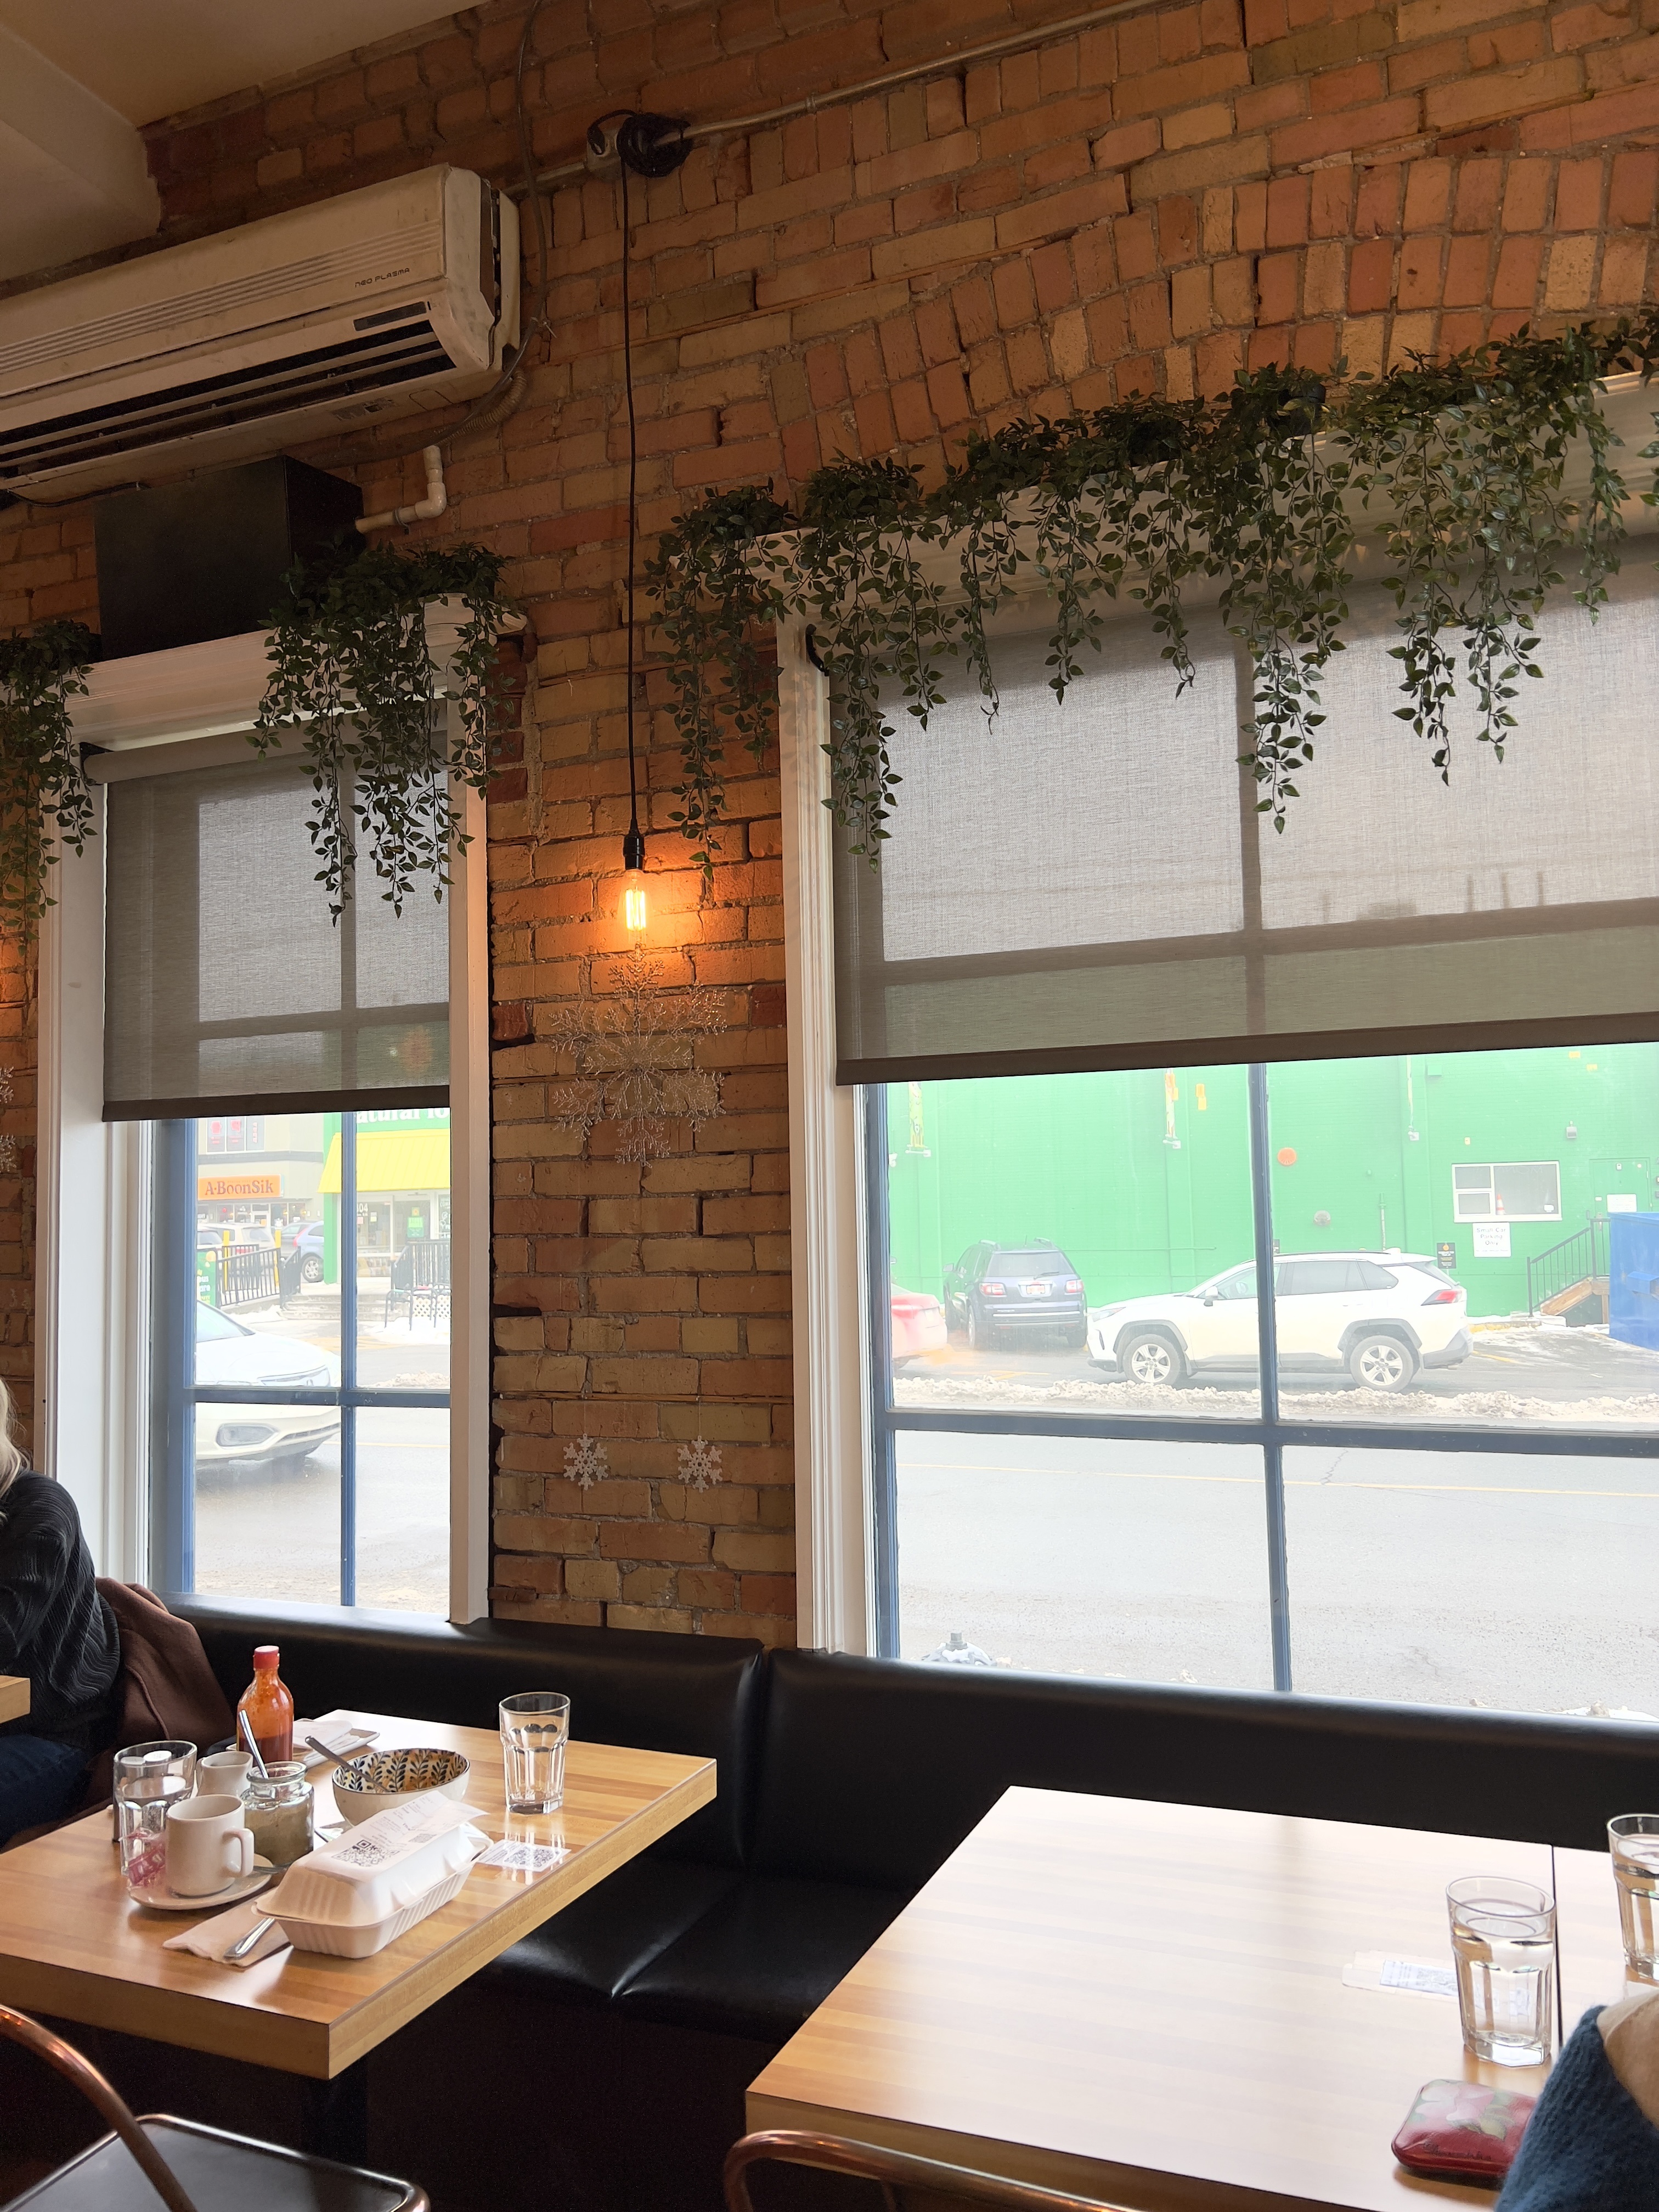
{"type": "Point", "coordinates": [301, 1304]}
{"type": "Point", "coordinates": [1422, 1470]}
{"type": "Point", "coordinates": [1510, 1190]}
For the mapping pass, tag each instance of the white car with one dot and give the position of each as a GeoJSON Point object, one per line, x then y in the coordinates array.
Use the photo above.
{"type": "Point", "coordinates": [228, 1353]}
{"type": "Point", "coordinates": [1378, 1317]}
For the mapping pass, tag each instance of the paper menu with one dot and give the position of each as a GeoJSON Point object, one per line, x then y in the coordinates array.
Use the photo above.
{"type": "Point", "coordinates": [382, 1843]}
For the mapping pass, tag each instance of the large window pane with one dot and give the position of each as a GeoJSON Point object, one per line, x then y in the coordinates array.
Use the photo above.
{"type": "Point", "coordinates": [1077, 1556]}
{"type": "Point", "coordinates": [1078, 1242]}
{"type": "Point", "coordinates": [1466, 1579]}
{"type": "Point", "coordinates": [1465, 1237]}
{"type": "Point", "coordinates": [345, 1497]}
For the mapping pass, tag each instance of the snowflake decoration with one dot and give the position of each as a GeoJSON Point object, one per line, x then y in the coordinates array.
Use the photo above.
{"type": "Point", "coordinates": [585, 1461]}
{"type": "Point", "coordinates": [700, 1465]}
{"type": "Point", "coordinates": [8, 1145]}
{"type": "Point", "coordinates": [635, 1060]}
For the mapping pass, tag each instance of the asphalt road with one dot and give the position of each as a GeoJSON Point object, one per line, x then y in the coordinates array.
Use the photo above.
{"type": "Point", "coordinates": [1454, 1579]}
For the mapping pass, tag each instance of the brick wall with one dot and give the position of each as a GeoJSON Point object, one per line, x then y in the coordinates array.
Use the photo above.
{"type": "Point", "coordinates": [1149, 205]}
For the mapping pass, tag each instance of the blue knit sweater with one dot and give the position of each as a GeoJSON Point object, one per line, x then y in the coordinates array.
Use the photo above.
{"type": "Point", "coordinates": [1588, 2147]}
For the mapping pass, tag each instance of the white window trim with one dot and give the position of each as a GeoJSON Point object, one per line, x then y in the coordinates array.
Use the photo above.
{"type": "Point", "coordinates": [92, 1278]}
{"type": "Point", "coordinates": [1492, 1167]}
{"type": "Point", "coordinates": [833, 1540]}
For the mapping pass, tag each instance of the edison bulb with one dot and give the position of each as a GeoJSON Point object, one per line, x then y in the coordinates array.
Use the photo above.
{"type": "Point", "coordinates": [634, 914]}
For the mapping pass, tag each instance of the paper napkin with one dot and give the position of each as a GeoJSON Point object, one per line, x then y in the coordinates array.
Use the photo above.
{"type": "Point", "coordinates": [211, 1939]}
{"type": "Point", "coordinates": [338, 1731]}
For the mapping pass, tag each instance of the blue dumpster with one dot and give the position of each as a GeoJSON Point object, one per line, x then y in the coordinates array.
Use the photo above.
{"type": "Point", "coordinates": [1633, 1278]}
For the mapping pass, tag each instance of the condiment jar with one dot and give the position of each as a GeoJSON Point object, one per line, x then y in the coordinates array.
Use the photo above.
{"type": "Point", "coordinates": [278, 1808]}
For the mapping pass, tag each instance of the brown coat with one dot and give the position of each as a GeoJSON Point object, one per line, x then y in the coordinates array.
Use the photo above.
{"type": "Point", "coordinates": [166, 1688]}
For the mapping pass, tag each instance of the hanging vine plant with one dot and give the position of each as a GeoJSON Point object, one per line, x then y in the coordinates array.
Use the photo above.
{"type": "Point", "coordinates": [1263, 491]}
{"type": "Point", "coordinates": [44, 798]}
{"type": "Point", "coordinates": [353, 672]}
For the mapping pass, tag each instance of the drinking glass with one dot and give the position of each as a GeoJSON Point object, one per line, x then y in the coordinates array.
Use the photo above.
{"type": "Point", "coordinates": [1633, 1840]}
{"type": "Point", "coordinates": [1503, 1934]}
{"type": "Point", "coordinates": [535, 1726]}
{"type": "Point", "coordinates": [148, 1778]}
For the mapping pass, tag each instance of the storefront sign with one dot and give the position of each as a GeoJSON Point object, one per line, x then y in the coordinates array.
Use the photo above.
{"type": "Point", "coordinates": [1445, 1255]}
{"type": "Point", "coordinates": [247, 1186]}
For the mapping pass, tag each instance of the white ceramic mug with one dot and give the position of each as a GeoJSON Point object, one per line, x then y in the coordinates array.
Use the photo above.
{"type": "Point", "coordinates": [208, 1845]}
{"type": "Point", "coordinates": [223, 1772]}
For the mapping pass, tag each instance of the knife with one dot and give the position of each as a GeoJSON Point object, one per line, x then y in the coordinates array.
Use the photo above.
{"type": "Point", "coordinates": [239, 1949]}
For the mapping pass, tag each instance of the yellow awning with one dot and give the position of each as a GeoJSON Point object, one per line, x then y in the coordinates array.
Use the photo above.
{"type": "Point", "coordinates": [393, 1159]}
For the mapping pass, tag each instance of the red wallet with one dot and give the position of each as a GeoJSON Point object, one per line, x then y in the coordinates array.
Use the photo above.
{"type": "Point", "coordinates": [1463, 2132]}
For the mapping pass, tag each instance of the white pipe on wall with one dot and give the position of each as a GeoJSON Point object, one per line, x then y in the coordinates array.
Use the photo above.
{"type": "Point", "coordinates": [423, 510]}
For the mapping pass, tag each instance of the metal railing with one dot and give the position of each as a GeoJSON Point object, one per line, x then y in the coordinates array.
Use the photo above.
{"type": "Point", "coordinates": [243, 1278]}
{"type": "Point", "coordinates": [419, 1288]}
{"type": "Point", "coordinates": [1580, 1258]}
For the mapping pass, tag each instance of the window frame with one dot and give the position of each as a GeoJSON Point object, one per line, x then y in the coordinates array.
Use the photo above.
{"type": "Point", "coordinates": [1496, 1213]}
{"type": "Point", "coordinates": [95, 1179]}
{"type": "Point", "coordinates": [847, 1425]}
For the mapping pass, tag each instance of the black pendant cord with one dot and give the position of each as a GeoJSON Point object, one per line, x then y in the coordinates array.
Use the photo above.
{"type": "Point", "coordinates": [633, 844]}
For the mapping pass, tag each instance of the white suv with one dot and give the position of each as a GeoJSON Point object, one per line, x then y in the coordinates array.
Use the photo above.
{"type": "Point", "coordinates": [1377, 1317]}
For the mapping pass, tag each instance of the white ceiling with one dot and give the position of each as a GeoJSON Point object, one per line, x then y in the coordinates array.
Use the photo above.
{"type": "Point", "coordinates": [77, 76]}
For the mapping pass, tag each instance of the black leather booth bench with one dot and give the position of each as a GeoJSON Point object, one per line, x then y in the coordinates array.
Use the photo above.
{"type": "Point", "coordinates": [640, 2014]}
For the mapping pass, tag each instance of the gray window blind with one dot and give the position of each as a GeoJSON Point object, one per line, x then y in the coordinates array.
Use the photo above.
{"type": "Point", "coordinates": [1089, 885]}
{"type": "Point", "coordinates": [228, 985]}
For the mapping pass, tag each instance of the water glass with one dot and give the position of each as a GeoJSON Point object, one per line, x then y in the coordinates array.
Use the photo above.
{"type": "Point", "coordinates": [150, 1777]}
{"type": "Point", "coordinates": [535, 1727]}
{"type": "Point", "coordinates": [1503, 1934]}
{"type": "Point", "coordinates": [1633, 1840]}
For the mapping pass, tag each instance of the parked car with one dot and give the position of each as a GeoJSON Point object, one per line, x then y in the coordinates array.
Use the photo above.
{"type": "Point", "coordinates": [245, 1237]}
{"type": "Point", "coordinates": [1007, 1290]}
{"type": "Point", "coordinates": [229, 1352]}
{"type": "Point", "coordinates": [1378, 1317]}
{"type": "Point", "coordinates": [309, 1245]}
{"type": "Point", "coordinates": [918, 1325]}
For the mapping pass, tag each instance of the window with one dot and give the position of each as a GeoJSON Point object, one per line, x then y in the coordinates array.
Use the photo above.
{"type": "Point", "coordinates": [302, 1439]}
{"type": "Point", "coordinates": [1442, 1494]}
{"type": "Point", "coordinates": [1515, 1191]}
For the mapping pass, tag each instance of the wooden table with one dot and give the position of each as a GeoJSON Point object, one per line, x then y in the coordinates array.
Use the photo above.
{"type": "Point", "coordinates": [14, 1697]}
{"type": "Point", "coordinates": [1144, 2003]}
{"type": "Point", "coordinates": [72, 1942]}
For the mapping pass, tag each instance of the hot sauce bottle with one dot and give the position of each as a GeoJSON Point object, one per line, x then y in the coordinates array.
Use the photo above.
{"type": "Point", "coordinates": [269, 1707]}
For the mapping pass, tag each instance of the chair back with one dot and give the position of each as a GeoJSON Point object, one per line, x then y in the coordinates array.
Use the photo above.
{"type": "Point", "coordinates": [892, 2170]}
{"type": "Point", "coordinates": [18, 2028]}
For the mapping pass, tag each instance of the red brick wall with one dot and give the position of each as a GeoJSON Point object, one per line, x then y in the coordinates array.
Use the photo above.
{"type": "Point", "coordinates": [1149, 205]}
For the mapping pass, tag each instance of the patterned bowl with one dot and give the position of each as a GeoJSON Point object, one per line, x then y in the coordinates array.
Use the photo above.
{"type": "Point", "coordinates": [375, 1779]}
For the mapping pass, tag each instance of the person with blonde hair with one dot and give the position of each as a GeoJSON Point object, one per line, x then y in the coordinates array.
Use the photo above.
{"type": "Point", "coordinates": [55, 1631]}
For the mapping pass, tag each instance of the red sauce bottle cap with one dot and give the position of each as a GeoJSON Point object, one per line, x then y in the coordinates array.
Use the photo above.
{"type": "Point", "coordinates": [266, 1655]}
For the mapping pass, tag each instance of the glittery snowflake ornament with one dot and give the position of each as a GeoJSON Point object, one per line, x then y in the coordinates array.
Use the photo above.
{"type": "Point", "coordinates": [586, 1462]}
{"type": "Point", "coordinates": [8, 1145]}
{"type": "Point", "coordinates": [700, 1465]}
{"type": "Point", "coordinates": [634, 1055]}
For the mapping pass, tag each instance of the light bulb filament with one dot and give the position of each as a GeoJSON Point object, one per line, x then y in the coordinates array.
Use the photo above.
{"type": "Point", "coordinates": [634, 914]}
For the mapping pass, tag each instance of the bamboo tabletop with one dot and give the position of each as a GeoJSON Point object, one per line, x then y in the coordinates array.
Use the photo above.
{"type": "Point", "coordinates": [73, 1943]}
{"type": "Point", "coordinates": [14, 1697]}
{"type": "Point", "coordinates": [1145, 2004]}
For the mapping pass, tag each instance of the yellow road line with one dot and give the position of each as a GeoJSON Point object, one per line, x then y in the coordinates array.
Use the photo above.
{"type": "Point", "coordinates": [1291, 1482]}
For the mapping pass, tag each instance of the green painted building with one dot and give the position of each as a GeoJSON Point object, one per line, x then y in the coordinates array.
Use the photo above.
{"type": "Point", "coordinates": [1143, 1178]}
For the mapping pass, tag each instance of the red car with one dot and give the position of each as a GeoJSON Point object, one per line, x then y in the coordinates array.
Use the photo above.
{"type": "Point", "coordinates": [918, 1325]}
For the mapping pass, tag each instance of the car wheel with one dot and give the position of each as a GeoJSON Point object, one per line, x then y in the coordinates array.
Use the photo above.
{"type": "Point", "coordinates": [312, 1268]}
{"type": "Point", "coordinates": [1151, 1360]}
{"type": "Point", "coordinates": [979, 1332]}
{"type": "Point", "coordinates": [1381, 1363]}
{"type": "Point", "coordinates": [1076, 1340]}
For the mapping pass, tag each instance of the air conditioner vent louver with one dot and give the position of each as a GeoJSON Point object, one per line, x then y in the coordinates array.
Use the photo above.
{"type": "Point", "coordinates": [337, 271]}
{"type": "Point", "coordinates": [303, 379]}
{"type": "Point", "coordinates": [386, 303]}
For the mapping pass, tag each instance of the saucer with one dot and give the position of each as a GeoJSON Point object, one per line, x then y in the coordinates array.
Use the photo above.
{"type": "Point", "coordinates": [167, 1901]}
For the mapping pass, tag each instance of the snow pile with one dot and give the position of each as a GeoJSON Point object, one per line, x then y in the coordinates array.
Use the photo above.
{"type": "Point", "coordinates": [984, 1393]}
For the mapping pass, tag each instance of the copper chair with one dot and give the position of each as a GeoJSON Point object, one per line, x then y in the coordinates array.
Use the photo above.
{"type": "Point", "coordinates": [221, 2169]}
{"type": "Point", "coordinates": [892, 2170]}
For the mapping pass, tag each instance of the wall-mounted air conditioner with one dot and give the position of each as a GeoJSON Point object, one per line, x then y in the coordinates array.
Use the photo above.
{"type": "Point", "coordinates": [390, 301]}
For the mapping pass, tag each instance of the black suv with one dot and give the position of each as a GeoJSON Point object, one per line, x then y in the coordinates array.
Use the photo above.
{"type": "Point", "coordinates": [998, 1288]}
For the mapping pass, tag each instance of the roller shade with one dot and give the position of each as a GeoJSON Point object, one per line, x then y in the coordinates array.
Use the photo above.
{"type": "Point", "coordinates": [228, 985]}
{"type": "Point", "coordinates": [1089, 885]}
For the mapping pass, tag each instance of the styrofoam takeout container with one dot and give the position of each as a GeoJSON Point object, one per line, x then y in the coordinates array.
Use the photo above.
{"type": "Point", "coordinates": [361, 1939]}
{"type": "Point", "coordinates": [340, 1899]}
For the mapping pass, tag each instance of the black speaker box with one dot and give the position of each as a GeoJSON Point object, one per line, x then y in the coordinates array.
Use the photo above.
{"type": "Point", "coordinates": [206, 558]}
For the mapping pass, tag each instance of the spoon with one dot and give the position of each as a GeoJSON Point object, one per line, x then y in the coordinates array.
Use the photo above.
{"type": "Point", "coordinates": [245, 1726]}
